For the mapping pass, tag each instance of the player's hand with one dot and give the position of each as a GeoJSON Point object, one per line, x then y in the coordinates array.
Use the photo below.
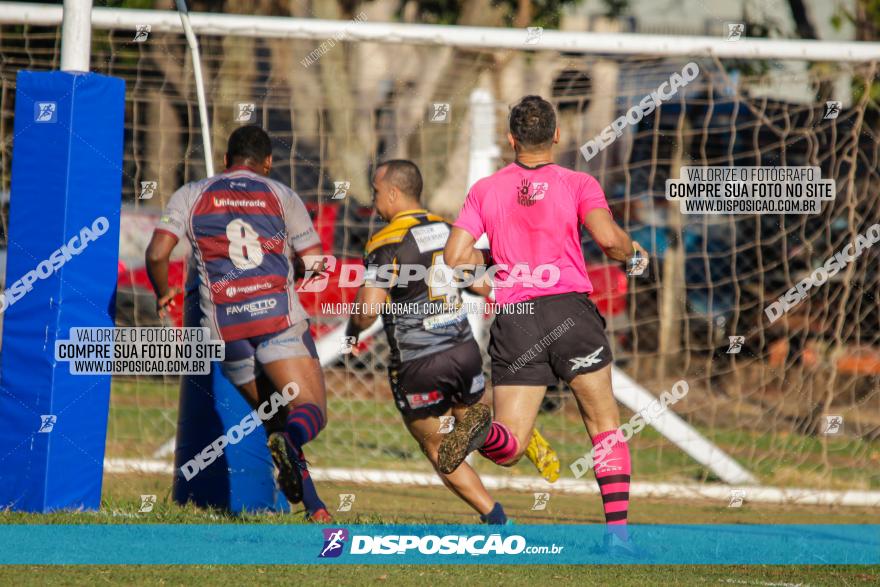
{"type": "Point", "coordinates": [166, 302]}
{"type": "Point", "coordinates": [638, 263]}
{"type": "Point", "coordinates": [350, 339]}
{"type": "Point", "coordinates": [299, 267]}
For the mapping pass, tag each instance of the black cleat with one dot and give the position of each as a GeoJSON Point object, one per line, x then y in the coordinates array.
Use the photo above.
{"type": "Point", "coordinates": [468, 435]}
{"type": "Point", "coordinates": [288, 473]}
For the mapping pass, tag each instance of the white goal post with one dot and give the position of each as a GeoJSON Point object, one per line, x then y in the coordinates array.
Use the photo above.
{"type": "Point", "coordinates": [484, 150]}
{"type": "Point", "coordinates": [453, 36]}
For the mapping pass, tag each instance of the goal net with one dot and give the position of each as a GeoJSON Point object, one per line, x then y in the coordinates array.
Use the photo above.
{"type": "Point", "coordinates": [796, 400]}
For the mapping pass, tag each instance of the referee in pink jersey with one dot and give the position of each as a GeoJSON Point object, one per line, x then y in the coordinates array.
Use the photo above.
{"type": "Point", "coordinates": [532, 211]}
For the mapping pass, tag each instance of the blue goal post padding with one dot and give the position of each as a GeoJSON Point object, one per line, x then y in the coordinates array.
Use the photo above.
{"type": "Point", "coordinates": [239, 480]}
{"type": "Point", "coordinates": [63, 248]}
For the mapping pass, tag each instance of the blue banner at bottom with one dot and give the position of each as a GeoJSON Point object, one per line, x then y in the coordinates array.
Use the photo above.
{"type": "Point", "coordinates": [241, 544]}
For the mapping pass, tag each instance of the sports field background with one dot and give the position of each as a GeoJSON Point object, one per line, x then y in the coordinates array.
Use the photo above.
{"type": "Point", "coordinates": [366, 431]}
{"type": "Point", "coordinates": [437, 505]}
{"type": "Point", "coordinates": [764, 407]}
{"type": "Point", "coordinates": [143, 416]}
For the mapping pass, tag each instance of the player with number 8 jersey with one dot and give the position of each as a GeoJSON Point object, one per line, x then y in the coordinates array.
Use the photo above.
{"type": "Point", "coordinates": [245, 229]}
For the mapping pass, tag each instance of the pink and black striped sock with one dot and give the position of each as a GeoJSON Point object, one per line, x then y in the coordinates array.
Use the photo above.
{"type": "Point", "coordinates": [303, 424]}
{"type": "Point", "coordinates": [501, 445]}
{"type": "Point", "coordinates": [613, 469]}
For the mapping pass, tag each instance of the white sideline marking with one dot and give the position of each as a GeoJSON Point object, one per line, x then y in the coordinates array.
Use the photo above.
{"type": "Point", "coordinates": [166, 450]}
{"type": "Point", "coordinates": [712, 492]}
{"type": "Point", "coordinates": [329, 350]}
{"type": "Point", "coordinates": [329, 346]}
{"type": "Point", "coordinates": [626, 390]}
{"type": "Point", "coordinates": [137, 466]}
{"type": "Point", "coordinates": [764, 583]}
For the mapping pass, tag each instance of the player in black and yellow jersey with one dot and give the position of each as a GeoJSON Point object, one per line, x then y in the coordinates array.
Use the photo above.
{"type": "Point", "coordinates": [435, 366]}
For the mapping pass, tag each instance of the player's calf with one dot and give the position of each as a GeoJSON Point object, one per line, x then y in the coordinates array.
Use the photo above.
{"type": "Point", "coordinates": [502, 446]}
{"type": "Point", "coordinates": [304, 422]}
{"type": "Point", "coordinates": [613, 469]}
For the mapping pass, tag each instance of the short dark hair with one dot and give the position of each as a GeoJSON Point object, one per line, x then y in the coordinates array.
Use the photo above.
{"type": "Point", "coordinates": [532, 122]}
{"type": "Point", "coordinates": [404, 175]}
{"type": "Point", "coordinates": [248, 142]}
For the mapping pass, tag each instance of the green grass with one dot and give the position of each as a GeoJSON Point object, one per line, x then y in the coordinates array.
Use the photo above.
{"type": "Point", "coordinates": [435, 575]}
{"type": "Point", "coordinates": [436, 505]}
{"type": "Point", "coordinates": [369, 434]}
{"type": "Point", "coordinates": [400, 504]}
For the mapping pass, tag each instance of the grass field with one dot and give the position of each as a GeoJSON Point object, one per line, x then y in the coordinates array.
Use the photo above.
{"type": "Point", "coordinates": [436, 505]}
{"type": "Point", "coordinates": [489, 575]}
{"type": "Point", "coordinates": [143, 415]}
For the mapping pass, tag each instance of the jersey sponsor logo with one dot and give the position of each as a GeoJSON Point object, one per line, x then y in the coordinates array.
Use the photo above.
{"type": "Point", "coordinates": [225, 202]}
{"type": "Point", "coordinates": [606, 466]}
{"type": "Point", "coordinates": [430, 237]}
{"type": "Point", "coordinates": [280, 342]}
{"type": "Point", "coordinates": [478, 384]}
{"type": "Point", "coordinates": [246, 289]}
{"type": "Point", "coordinates": [539, 189]}
{"type": "Point", "coordinates": [587, 361]}
{"type": "Point", "coordinates": [420, 400]}
{"type": "Point", "coordinates": [444, 320]}
{"type": "Point", "coordinates": [255, 308]}
{"type": "Point", "coordinates": [304, 233]}
{"type": "Point", "coordinates": [233, 366]}
{"type": "Point", "coordinates": [528, 193]}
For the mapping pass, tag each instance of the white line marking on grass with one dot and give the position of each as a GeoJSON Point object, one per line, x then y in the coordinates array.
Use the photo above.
{"type": "Point", "coordinates": [763, 583]}
{"type": "Point", "coordinates": [711, 492]}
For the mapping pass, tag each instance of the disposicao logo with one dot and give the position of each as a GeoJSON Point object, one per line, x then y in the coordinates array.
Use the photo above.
{"type": "Point", "coordinates": [334, 541]}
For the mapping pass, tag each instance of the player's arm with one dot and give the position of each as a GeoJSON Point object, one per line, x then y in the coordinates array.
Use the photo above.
{"type": "Point", "coordinates": [596, 217]}
{"type": "Point", "coordinates": [312, 256]}
{"type": "Point", "coordinates": [468, 227]}
{"type": "Point", "coordinates": [302, 238]}
{"type": "Point", "coordinates": [169, 230]}
{"type": "Point", "coordinates": [366, 309]}
{"type": "Point", "coordinates": [481, 286]}
{"type": "Point", "coordinates": [374, 291]}
{"type": "Point", "coordinates": [460, 250]}
{"type": "Point", "coordinates": [157, 258]}
{"type": "Point", "coordinates": [612, 239]}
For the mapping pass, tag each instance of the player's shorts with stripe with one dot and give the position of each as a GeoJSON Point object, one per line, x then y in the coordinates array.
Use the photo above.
{"type": "Point", "coordinates": [429, 386]}
{"type": "Point", "coordinates": [244, 357]}
{"type": "Point", "coordinates": [556, 337]}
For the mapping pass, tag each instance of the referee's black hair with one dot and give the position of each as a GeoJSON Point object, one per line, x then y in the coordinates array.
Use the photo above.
{"type": "Point", "coordinates": [404, 175]}
{"type": "Point", "coordinates": [532, 123]}
{"type": "Point", "coordinates": [248, 142]}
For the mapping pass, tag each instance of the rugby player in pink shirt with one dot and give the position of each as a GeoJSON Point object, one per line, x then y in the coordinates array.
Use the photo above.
{"type": "Point", "coordinates": [532, 211]}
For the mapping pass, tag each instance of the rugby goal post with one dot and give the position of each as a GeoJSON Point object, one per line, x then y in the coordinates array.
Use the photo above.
{"type": "Point", "coordinates": [632, 62]}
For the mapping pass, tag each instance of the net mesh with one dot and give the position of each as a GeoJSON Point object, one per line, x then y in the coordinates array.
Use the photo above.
{"type": "Point", "coordinates": [336, 108]}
